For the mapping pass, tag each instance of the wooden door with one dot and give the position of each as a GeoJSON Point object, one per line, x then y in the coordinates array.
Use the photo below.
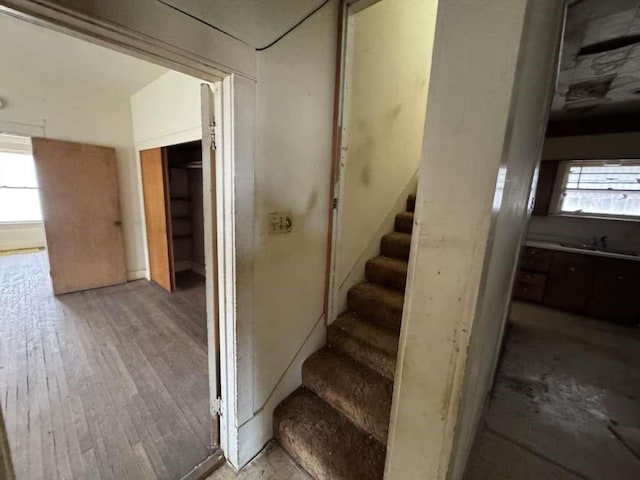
{"type": "Point", "coordinates": [155, 185]}
{"type": "Point", "coordinates": [81, 210]}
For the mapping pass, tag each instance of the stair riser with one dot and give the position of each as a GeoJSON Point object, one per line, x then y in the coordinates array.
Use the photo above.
{"type": "Point", "coordinates": [411, 203]}
{"type": "Point", "coordinates": [404, 223]}
{"type": "Point", "coordinates": [384, 314]}
{"type": "Point", "coordinates": [387, 277]}
{"type": "Point", "coordinates": [395, 248]}
{"type": "Point", "coordinates": [377, 360]}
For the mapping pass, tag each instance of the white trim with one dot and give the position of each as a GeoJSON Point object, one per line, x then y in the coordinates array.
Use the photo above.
{"type": "Point", "coordinates": [350, 7]}
{"type": "Point", "coordinates": [23, 129]}
{"type": "Point", "coordinates": [136, 274]}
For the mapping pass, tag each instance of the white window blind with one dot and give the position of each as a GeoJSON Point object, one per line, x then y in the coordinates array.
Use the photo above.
{"type": "Point", "coordinates": [600, 188]}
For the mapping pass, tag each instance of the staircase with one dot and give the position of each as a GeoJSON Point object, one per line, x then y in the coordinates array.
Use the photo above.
{"type": "Point", "coordinates": [336, 424]}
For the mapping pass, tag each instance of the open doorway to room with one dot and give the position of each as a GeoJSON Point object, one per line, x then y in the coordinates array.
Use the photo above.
{"type": "Point", "coordinates": [566, 398]}
{"type": "Point", "coordinates": [103, 374]}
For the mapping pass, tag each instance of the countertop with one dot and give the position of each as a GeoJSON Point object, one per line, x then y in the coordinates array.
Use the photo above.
{"type": "Point", "coordinates": [584, 251]}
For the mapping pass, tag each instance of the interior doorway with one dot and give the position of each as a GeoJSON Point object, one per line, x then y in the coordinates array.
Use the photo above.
{"type": "Point", "coordinates": [172, 187]}
{"type": "Point", "coordinates": [106, 379]}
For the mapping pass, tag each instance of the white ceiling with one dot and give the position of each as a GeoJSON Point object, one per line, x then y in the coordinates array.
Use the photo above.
{"type": "Point", "coordinates": [256, 22]}
{"type": "Point", "coordinates": [22, 45]}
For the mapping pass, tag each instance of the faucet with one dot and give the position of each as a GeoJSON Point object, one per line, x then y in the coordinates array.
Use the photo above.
{"type": "Point", "coordinates": [599, 243]}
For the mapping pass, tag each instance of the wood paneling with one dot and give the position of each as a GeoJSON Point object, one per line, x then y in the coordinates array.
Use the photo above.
{"type": "Point", "coordinates": [109, 383]}
{"type": "Point", "coordinates": [155, 185]}
{"type": "Point", "coordinates": [81, 209]}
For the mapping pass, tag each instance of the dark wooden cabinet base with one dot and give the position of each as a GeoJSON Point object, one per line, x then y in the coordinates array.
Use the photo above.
{"type": "Point", "coordinates": [600, 287]}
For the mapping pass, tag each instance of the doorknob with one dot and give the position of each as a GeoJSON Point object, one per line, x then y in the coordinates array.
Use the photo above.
{"type": "Point", "coordinates": [117, 223]}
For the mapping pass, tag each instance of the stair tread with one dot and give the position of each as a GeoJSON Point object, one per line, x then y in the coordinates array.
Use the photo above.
{"type": "Point", "coordinates": [324, 442]}
{"type": "Point", "coordinates": [396, 245]}
{"type": "Point", "coordinates": [356, 391]}
{"type": "Point", "coordinates": [377, 303]}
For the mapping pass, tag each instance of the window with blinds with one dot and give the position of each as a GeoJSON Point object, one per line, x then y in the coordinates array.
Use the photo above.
{"type": "Point", "coordinates": [599, 188]}
{"type": "Point", "coordinates": [19, 200]}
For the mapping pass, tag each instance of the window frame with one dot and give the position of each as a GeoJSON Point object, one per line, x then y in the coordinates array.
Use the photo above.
{"type": "Point", "coordinates": [21, 149]}
{"type": "Point", "coordinates": [561, 181]}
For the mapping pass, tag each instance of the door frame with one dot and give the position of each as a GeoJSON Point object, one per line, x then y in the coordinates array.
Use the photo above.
{"type": "Point", "coordinates": [228, 97]}
{"type": "Point", "coordinates": [343, 68]}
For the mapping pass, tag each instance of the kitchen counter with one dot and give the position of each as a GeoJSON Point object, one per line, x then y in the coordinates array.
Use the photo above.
{"type": "Point", "coordinates": [584, 251]}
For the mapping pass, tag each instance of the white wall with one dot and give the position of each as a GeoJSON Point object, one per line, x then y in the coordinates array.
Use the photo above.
{"type": "Point", "coordinates": [166, 112]}
{"type": "Point", "coordinates": [491, 84]}
{"type": "Point", "coordinates": [294, 107]}
{"type": "Point", "coordinates": [388, 54]}
{"type": "Point", "coordinates": [621, 235]}
{"type": "Point", "coordinates": [66, 108]}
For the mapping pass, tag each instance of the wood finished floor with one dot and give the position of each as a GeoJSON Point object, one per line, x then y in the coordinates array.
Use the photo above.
{"type": "Point", "coordinates": [103, 384]}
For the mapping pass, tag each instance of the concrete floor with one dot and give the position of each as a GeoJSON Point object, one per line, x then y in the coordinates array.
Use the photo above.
{"type": "Point", "coordinates": [271, 464]}
{"type": "Point", "coordinates": [566, 403]}
{"type": "Point", "coordinates": [566, 406]}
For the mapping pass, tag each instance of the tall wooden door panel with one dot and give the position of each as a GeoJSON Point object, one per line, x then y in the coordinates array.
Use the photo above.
{"type": "Point", "coordinates": [155, 185]}
{"type": "Point", "coordinates": [80, 202]}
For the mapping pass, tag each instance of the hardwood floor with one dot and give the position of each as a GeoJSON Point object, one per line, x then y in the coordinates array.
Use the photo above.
{"type": "Point", "coordinates": [103, 384]}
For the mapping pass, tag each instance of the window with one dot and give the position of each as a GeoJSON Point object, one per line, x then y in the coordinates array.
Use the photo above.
{"type": "Point", "coordinates": [599, 188]}
{"type": "Point", "coordinates": [19, 201]}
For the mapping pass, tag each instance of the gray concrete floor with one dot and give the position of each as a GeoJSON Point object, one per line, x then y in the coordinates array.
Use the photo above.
{"type": "Point", "coordinates": [271, 464]}
{"type": "Point", "coordinates": [566, 403]}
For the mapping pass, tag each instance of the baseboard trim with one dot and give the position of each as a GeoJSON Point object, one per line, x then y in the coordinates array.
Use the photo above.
{"type": "Point", "coordinates": [199, 269]}
{"type": "Point", "coordinates": [182, 266]}
{"type": "Point", "coordinates": [136, 275]}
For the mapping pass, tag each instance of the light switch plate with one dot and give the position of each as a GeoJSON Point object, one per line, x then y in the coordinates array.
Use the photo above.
{"type": "Point", "coordinates": [280, 222]}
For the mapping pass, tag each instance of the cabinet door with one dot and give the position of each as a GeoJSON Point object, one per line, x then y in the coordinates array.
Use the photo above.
{"type": "Point", "coordinates": [616, 291]}
{"type": "Point", "coordinates": [569, 282]}
{"type": "Point", "coordinates": [529, 286]}
{"type": "Point", "coordinates": [536, 259]}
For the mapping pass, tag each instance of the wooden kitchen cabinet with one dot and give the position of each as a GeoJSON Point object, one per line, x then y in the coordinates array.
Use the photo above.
{"type": "Point", "coordinates": [529, 286]}
{"type": "Point", "coordinates": [616, 291]}
{"type": "Point", "coordinates": [601, 287]}
{"type": "Point", "coordinates": [536, 259]}
{"type": "Point", "coordinates": [570, 281]}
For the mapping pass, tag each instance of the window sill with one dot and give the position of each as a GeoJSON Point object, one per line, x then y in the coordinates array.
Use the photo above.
{"type": "Point", "coordinates": [596, 217]}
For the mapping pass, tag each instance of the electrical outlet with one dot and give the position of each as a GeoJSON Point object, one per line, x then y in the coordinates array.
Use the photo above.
{"type": "Point", "coordinates": [280, 222]}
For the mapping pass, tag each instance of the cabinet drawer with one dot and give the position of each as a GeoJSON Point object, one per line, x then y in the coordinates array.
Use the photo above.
{"type": "Point", "coordinates": [536, 259]}
{"type": "Point", "coordinates": [531, 278]}
{"type": "Point", "coordinates": [529, 292]}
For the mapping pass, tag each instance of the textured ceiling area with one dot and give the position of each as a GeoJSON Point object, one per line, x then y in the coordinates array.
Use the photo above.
{"type": "Point", "coordinates": [256, 22]}
{"type": "Point", "coordinates": [600, 60]}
